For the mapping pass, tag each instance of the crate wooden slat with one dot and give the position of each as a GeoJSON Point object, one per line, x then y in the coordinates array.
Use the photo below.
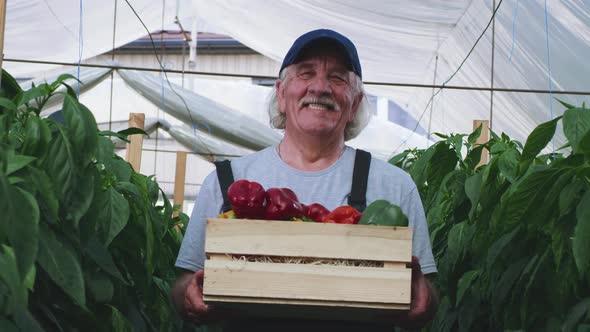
{"type": "Point", "coordinates": [347, 292]}
{"type": "Point", "coordinates": [302, 239]}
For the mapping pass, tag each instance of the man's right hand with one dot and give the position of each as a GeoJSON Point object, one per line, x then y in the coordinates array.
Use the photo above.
{"type": "Point", "coordinates": [188, 297]}
{"type": "Point", "coordinates": [195, 308]}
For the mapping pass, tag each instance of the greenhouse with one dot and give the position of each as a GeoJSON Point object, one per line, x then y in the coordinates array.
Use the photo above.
{"type": "Point", "coordinates": [115, 117]}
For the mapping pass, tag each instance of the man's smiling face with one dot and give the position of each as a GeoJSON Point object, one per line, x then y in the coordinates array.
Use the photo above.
{"type": "Point", "coordinates": [318, 95]}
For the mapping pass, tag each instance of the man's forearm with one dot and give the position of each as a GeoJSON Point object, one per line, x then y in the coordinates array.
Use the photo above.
{"type": "Point", "coordinates": [179, 290]}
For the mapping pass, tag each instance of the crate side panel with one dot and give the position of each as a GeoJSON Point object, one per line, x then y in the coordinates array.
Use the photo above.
{"type": "Point", "coordinates": [303, 239]}
{"type": "Point", "coordinates": [307, 282]}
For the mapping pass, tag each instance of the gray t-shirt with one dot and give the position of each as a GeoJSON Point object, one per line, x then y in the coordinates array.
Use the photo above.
{"type": "Point", "coordinates": [329, 187]}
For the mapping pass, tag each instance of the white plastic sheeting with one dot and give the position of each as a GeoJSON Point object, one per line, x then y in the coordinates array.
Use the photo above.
{"type": "Point", "coordinates": [203, 113]}
{"type": "Point", "coordinates": [246, 116]}
{"type": "Point", "coordinates": [205, 145]}
{"type": "Point", "coordinates": [49, 30]}
{"type": "Point", "coordinates": [399, 41]}
{"type": "Point", "coordinates": [88, 78]}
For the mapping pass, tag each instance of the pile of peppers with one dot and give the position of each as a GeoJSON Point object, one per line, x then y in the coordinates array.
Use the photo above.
{"type": "Point", "coordinates": [249, 200]}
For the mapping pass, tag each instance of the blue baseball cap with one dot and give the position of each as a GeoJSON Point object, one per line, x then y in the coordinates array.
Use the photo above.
{"type": "Point", "coordinates": [322, 36]}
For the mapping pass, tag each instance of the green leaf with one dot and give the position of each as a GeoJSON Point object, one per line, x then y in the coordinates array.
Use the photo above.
{"type": "Point", "coordinates": [26, 322]}
{"type": "Point", "coordinates": [61, 264]}
{"type": "Point", "coordinates": [129, 188]}
{"type": "Point", "coordinates": [474, 156]}
{"type": "Point", "coordinates": [508, 164]}
{"type": "Point", "coordinates": [527, 194]}
{"type": "Point", "coordinates": [112, 133]}
{"type": "Point", "coordinates": [9, 275]}
{"type": "Point", "coordinates": [395, 160]}
{"type": "Point", "coordinates": [153, 189]}
{"type": "Point", "coordinates": [132, 131]}
{"type": "Point", "coordinates": [383, 213]}
{"type": "Point", "coordinates": [546, 208]}
{"type": "Point", "coordinates": [60, 163]}
{"type": "Point", "coordinates": [576, 315]}
{"type": "Point", "coordinates": [576, 124]}
{"type": "Point", "coordinates": [82, 128]}
{"type": "Point", "coordinates": [103, 258]}
{"type": "Point", "coordinates": [581, 241]}
{"type": "Point", "coordinates": [10, 87]}
{"type": "Point", "coordinates": [499, 246]}
{"type": "Point", "coordinates": [17, 162]}
{"type": "Point", "coordinates": [507, 281]}
{"type": "Point", "coordinates": [105, 150]}
{"type": "Point", "coordinates": [118, 322]}
{"type": "Point", "coordinates": [7, 326]}
{"type": "Point", "coordinates": [37, 137]}
{"type": "Point", "coordinates": [46, 195]}
{"type": "Point", "coordinates": [538, 139]}
{"type": "Point", "coordinates": [20, 220]}
{"type": "Point", "coordinates": [62, 79]}
{"type": "Point", "coordinates": [443, 162]}
{"type": "Point", "coordinates": [570, 194]}
{"type": "Point", "coordinates": [150, 244]}
{"type": "Point", "coordinates": [121, 169]}
{"type": "Point", "coordinates": [29, 280]}
{"type": "Point", "coordinates": [472, 138]}
{"type": "Point", "coordinates": [473, 187]}
{"type": "Point", "coordinates": [465, 283]}
{"type": "Point", "coordinates": [457, 144]}
{"type": "Point", "coordinates": [7, 104]}
{"type": "Point", "coordinates": [113, 211]}
{"type": "Point", "coordinates": [418, 171]}
{"type": "Point", "coordinates": [35, 92]}
{"type": "Point", "coordinates": [459, 240]}
{"type": "Point", "coordinates": [584, 146]}
{"type": "Point", "coordinates": [101, 287]}
{"type": "Point", "coordinates": [80, 197]}
{"type": "Point", "coordinates": [566, 105]}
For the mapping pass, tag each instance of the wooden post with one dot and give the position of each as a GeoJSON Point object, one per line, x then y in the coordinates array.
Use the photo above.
{"type": "Point", "coordinates": [133, 156]}
{"type": "Point", "coordinates": [179, 179]}
{"type": "Point", "coordinates": [483, 138]}
{"type": "Point", "coordinates": [2, 28]}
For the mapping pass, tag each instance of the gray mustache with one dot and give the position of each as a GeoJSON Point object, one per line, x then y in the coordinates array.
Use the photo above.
{"type": "Point", "coordinates": [319, 100]}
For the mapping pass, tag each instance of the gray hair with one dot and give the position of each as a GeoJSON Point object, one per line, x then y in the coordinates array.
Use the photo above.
{"type": "Point", "coordinates": [278, 120]}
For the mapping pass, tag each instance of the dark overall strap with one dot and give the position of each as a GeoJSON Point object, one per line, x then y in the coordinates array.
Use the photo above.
{"type": "Point", "coordinates": [226, 178]}
{"type": "Point", "coordinates": [360, 176]}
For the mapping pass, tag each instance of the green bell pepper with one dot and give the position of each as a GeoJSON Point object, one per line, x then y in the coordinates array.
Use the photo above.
{"type": "Point", "coordinates": [383, 213]}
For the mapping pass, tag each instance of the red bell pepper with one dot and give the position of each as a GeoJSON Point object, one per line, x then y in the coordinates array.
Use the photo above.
{"type": "Point", "coordinates": [282, 204]}
{"type": "Point", "coordinates": [247, 199]}
{"type": "Point", "coordinates": [315, 212]}
{"type": "Point", "coordinates": [343, 215]}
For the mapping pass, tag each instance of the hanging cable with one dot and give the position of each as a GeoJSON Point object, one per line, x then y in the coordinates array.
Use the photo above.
{"type": "Point", "coordinates": [112, 59]}
{"type": "Point", "coordinates": [549, 71]}
{"type": "Point", "coordinates": [432, 104]}
{"type": "Point", "coordinates": [163, 108]}
{"type": "Point", "coordinates": [160, 62]}
{"type": "Point", "coordinates": [391, 84]}
{"type": "Point", "coordinates": [165, 71]}
{"type": "Point", "coordinates": [492, 69]}
{"type": "Point", "coordinates": [80, 46]}
{"type": "Point", "coordinates": [450, 77]}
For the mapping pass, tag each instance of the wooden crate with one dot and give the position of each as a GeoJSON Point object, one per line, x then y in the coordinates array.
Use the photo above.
{"type": "Point", "coordinates": [295, 289]}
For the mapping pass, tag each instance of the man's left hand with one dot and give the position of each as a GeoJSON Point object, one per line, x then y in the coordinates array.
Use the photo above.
{"type": "Point", "coordinates": [424, 300]}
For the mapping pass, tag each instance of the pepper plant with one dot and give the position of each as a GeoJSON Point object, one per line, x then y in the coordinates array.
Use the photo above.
{"type": "Point", "coordinates": [86, 242]}
{"type": "Point", "coordinates": [511, 238]}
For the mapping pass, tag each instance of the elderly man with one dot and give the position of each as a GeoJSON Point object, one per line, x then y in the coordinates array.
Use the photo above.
{"type": "Point", "coordinates": [320, 103]}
